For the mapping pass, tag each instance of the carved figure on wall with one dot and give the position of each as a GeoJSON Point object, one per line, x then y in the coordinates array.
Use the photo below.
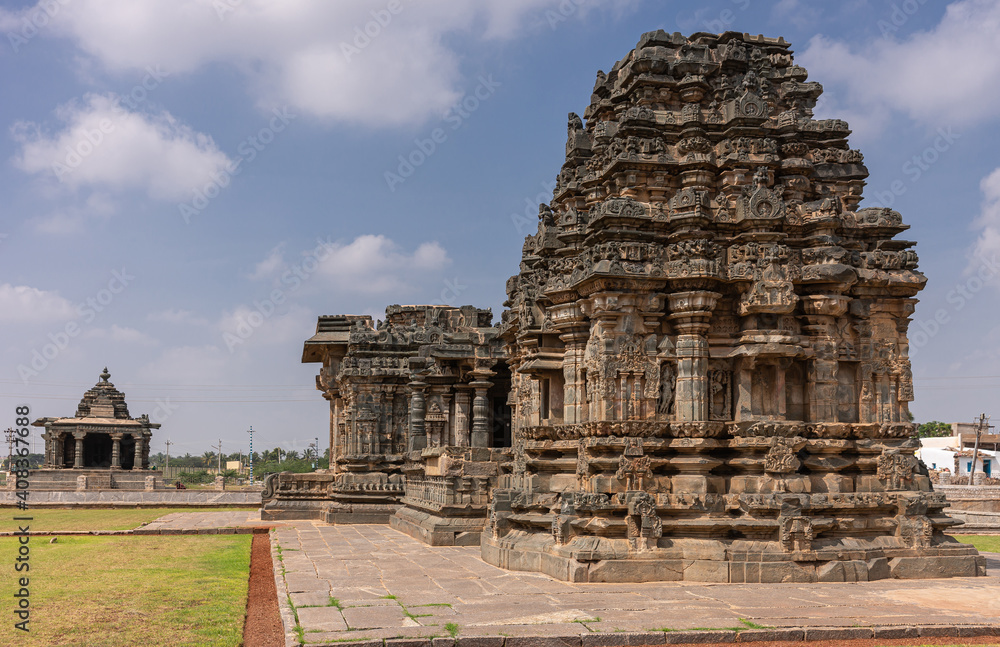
{"type": "Point", "coordinates": [781, 459]}
{"type": "Point", "coordinates": [896, 469]}
{"type": "Point", "coordinates": [720, 394]}
{"type": "Point", "coordinates": [668, 380]}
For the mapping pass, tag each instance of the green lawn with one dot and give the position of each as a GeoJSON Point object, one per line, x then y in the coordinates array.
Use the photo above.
{"type": "Point", "coordinates": [135, 590]}
{"type": "Point", "coordinates": [985, 543]}
{"type": "Point", "coordinates": [51, 519]}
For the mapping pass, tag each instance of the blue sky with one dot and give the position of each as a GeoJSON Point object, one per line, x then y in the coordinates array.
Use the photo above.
{"type": "Point", "coordinates": [188, 184]}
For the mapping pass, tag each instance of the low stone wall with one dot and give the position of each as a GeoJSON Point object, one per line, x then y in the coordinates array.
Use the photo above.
{"type": "Point", "coordinates": [975, 523]}
{"type": "Point", "coordinates": [114, 498]}
{"type": "Point", "coordinates": [979, 498]}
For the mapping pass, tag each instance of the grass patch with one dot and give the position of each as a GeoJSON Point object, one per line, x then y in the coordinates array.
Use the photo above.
{"type": "Point", "coordinates": [744, 625]}
{"type": "Point", "coordinates": [57, 519]}
{"type": "Point", "coordinates": [747, 624]}
{"type": "Point", "coordinates": [334, 602]}
{"type": "Point", "coordinates": [388, 597]}
{"type": "Point", "coordinates": [984, 543]}
{"type": "Point", "coordinates": [432, 604]}
{"type": "Point", "coordinates": [452, 629]}
{"type": "Point", "coordinates": [140, 590]}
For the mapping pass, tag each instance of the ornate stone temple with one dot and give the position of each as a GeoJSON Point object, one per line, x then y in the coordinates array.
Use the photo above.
{"type": "Point", "coordinates": [702, 372]}
{"type": "Point", "coordinates": [425, 378]}
{"type": "Point", "coordinates": [99, 439]}
{"type": "Point", "coordinates": [708, 342]}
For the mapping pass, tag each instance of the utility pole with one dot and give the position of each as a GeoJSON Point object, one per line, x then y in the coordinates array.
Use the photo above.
{"type": "Point", "coordinates": [316, 457]}
{"type": "Point", "coordinates": [251, 454]}
{"type": "Point", "coordinates": [168, 454]}
{"type": "Point", "coordinates": [9, 433]}
{"type": "Point", "coordinates": [220, 454]}
{"type": "Point", "coordinates": [981, 424]}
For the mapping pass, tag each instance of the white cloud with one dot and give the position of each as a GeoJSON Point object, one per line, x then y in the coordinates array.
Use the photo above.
{"type": "Point", "coordinates": [188, 365]}
{"type": "Point", "coordinates": [24, 304]}
{"type": "Point", "coordinates": [120, 335]}
{"type": "Point", "coordinates": [260, 324]}
{"type": "Point", "coordinates": [271, 265]}
{"type": "Point", "coordinates": [946, 76]}
{"type": "Point", "coordinates": [377, 264]}
{"type": "Point", "coordinates": [102, 144]}
{"type": "Point", "coordinates": [987, 248]}
{"type": "Point", "coordinates": [400, 70]}
{"type": "Point", "coordinates": [72, 219]}
{"type": "Point", "coordinates": [176, 316]}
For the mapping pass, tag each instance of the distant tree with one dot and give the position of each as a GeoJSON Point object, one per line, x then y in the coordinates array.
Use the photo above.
{"type": "Point", "coordinates": [933, 429]}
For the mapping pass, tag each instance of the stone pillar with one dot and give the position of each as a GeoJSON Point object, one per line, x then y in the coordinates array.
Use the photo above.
{"type": "Point", "coordinates": [743, 387]}
{"type": "Point", "coordinates": [821, 312]}
{"type": "Point", "coordinates": [334, 429]}
{"type": "Point", "coordinates": [116, 451]}
{"type": "Point", "coordinates": [574, 394]}
{"type": "Point", "coordinates": [78, 458]}
{"type": "Point", "coordinates": [58, 452]}
{"type": "Point", "coordinates": [480, 415]}
{"type": "Point", "coordinates": [418, 433]}
{"type": "Point", "coordinates": [50, 446]}
{"type": "Point", "coordinates": [139, 441]}
{"type": "Point", "coordinates": [691, 312]}
{"type": "Point", "coordinates": [462, 438]}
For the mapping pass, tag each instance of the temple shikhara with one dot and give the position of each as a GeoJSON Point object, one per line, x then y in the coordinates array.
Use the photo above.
{"type": "Point", "coordinates": [702, 370]}
{"type": "Point", "coordinates": [101, 444]}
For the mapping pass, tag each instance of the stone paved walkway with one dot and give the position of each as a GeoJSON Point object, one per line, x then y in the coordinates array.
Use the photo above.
{"type": "Point", "coordinates": [204, 522]}
{"type": "Point", "coordinates": [387, 584]}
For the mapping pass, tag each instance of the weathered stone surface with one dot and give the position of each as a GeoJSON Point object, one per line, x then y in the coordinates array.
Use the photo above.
{"type": "Point", "coordinates": [621, 639]}
{"type": "Point", "coordinates": [767, 635]}
{"type": "Point", "coordinates": [896, 632]}
{"type": "Point", "coordinates": [425, 377]}
{"type": "Point", "coordinates": [838, 633]}
{"type": "Point", "coordinates": [695, 637]}
{"type": "Point", "coordinates": [707, 340]}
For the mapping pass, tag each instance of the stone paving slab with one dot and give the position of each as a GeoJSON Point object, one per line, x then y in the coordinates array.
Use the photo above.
{"type": "Point", "coordinates": [203, 522]}
{"type": "Point", "coordinates": [391, 586]}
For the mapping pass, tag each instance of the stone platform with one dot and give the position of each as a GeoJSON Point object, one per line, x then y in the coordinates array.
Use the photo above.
{"type": "Point", "coordinates": [389, 585]}
{"type": "Point", "coordinates": [127, 499]}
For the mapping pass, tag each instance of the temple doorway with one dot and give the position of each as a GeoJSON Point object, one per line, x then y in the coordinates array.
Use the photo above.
{"type": "Point", "coordinates": [97, 450]}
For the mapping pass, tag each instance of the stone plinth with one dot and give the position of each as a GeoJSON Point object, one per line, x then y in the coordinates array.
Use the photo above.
{"type": "Point", "coordinates": [68, 480]}
{"type": "Point", "coordinates": [447, 492]}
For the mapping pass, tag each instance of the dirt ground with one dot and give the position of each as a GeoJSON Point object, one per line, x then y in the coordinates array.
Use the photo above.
{"type": "Point", "coordinates": [263, 621]}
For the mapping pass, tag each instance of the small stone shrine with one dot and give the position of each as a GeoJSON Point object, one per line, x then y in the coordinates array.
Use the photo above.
{"type": "Point", "coordinates": [708, 342]}
{"type": "Point", "coordinates": [704, 355]}
{"type": "Point", "coordinates": [102, 445]}
{"type": "Point", "coordinates": [425, 378]}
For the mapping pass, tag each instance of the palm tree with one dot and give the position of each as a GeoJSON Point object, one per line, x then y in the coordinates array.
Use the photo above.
{"type": "Point", "coordinates": [208, 458]}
